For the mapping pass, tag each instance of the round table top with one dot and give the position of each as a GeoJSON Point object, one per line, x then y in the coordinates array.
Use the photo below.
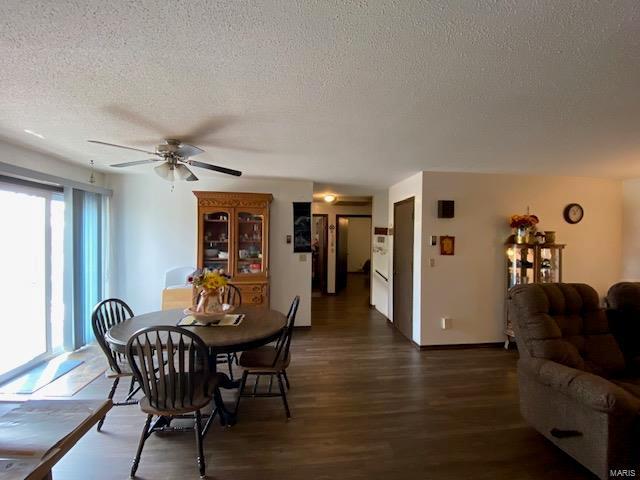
{"type": "Point", "coordinates": [259, 326]}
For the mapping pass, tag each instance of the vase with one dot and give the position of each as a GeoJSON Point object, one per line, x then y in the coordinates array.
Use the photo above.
{"type": "Point", "coordinates": [209, 301]}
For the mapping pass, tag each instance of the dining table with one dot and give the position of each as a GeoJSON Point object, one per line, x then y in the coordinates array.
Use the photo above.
{"type": "Point", "coordinates": [259, 326]}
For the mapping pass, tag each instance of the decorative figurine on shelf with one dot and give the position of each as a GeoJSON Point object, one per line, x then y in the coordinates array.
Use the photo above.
{"type": "Point", "coordinates": [525, 226]}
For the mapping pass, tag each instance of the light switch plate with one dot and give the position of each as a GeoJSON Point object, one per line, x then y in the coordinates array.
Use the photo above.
{"type": "Point", "coordinates": [303, 257]}
{"type": "Point", "coordinates": [434, 240]}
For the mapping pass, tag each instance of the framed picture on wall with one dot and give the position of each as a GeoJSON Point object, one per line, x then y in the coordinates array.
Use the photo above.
{"type": "Point", "coordinates": [302, 227]}
{"type": "Point", "coordinates": [447, 245]}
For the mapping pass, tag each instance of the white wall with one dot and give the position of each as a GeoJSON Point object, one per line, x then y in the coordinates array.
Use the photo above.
{"type": "Point", "coordinates": [380, 288]}
{"type": "Point", "coordinates": [410, 187]}
{"type": "Point", "coordinates": [155, 229]}
{"type": "Point", "coordinates": [41, 162]}
{"type": "Point", "coordinates": [358, 243]}
{"type": "Point", "coordinates": [631, 230]}
{"type": "Point", "coordinates": [470, 286]}
{"type": "Point", "coordinates": [331, 211]}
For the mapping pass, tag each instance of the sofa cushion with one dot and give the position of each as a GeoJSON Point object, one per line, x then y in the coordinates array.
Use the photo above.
{"type": "Point", "coordinates": [563, 322]}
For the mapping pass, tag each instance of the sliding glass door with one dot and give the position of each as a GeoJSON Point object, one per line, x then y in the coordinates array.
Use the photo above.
{"type": "Point", "coordinates": [31, 285]}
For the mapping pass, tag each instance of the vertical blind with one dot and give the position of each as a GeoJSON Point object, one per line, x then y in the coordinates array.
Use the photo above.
{"type": "Point", "coordinates": [89, 260]}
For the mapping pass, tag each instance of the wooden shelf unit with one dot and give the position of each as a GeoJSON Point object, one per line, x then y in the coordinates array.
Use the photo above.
{"type": "Point", "coordinates": [237, 216]}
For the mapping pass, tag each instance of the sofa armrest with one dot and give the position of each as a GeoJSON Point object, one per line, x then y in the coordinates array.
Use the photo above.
{"type": "Point", "coordinates": [586, 388]}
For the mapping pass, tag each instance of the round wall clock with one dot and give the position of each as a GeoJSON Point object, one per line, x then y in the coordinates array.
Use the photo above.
{"type": "Point", "coordinates": [573, 213]}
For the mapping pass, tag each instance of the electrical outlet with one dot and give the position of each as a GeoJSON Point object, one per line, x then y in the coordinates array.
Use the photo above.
{"type": "Point", "coordinates": [445, 323]}
{"type": "Point", "coordinates": [432, 262]}
{"type": "Point", "coordinates": [303, 257]}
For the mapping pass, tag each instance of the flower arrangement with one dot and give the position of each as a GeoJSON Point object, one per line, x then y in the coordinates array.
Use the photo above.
{"type": "Point", "coordinates": [208, 279]}
{"type": "Point", "coordinates": [209, 286]}
{"type": "Point", "coordinates": [525, 227]}
{"type": "Point", "coordinates": [523, 221]}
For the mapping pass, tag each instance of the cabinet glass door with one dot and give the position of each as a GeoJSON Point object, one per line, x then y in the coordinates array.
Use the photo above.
{"type": "Point", "coordinates": [250, 241]}
{"type": "Point", "coordinates": [215, 240]}
{"type": "Point", "coordinates": [521, 264]}
{"type": "Point", "coordinates": [550, 265]}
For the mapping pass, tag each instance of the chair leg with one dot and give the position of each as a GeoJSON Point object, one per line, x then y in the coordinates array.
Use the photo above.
{"type": "Point", "coordinates": [143, 438]}
{"type": "Point", "coordinates": [284, 396]}
{"type": "Point", "coordinates": [235, 358]}
{"type": "Point", "coordinates": [230, 364]}
{"type": "Point", "coordinates": [270, 383]}
{"type": "Point", "coordinates": [255, 385]}
{"type": "Point", "coordinates": [245, 374]}
{"type": "Point", "coordinates": [286, 379]}
{"type": "Point", "coordinates": [198, 429]}
{"type": "Point", "coordinates": [110, 397]}
{"type": "Point", "coordinates": [131, 384]}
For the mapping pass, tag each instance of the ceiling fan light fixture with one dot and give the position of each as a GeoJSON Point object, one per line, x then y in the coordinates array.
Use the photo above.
{"type": "Point", "coordinates": [165, 171]}
{"type": "Point", "coordinates": [185, 174]}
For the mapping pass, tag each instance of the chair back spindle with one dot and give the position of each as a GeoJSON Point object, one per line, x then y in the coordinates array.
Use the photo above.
{"type": "Point", "coordinates": [231, 295]}
{"type": "Point", "coordinates": [171, 364]}
{"type": "Point", "coordinates": [284, 342]}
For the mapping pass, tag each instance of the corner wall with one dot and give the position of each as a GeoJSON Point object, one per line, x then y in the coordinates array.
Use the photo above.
{"type": "Point", "coordinates": [411, 187]}
{"type": "Point", "coordinates": [380, 218]}
{"type": "Point", "coordinates": [631, 230]}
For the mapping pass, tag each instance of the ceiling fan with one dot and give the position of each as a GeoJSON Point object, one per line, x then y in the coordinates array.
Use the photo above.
{"type": "Point", "coordinates": [175, 156]}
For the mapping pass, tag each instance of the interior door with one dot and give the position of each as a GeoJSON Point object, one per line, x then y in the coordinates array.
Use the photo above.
{"type": "Point", "coordinates": [403, 266]}
{"type": "Point", "coordinates": [342, 247]}
{"type": "Point", "coordinates": [319, 254]}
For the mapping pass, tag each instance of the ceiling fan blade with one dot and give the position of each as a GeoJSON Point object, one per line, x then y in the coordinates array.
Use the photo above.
{"type": "Point", "coordinates": [137, 162]}
{"type": "Point", "coordinates": [122, 146]}
{"type": "Point", "coordinates": [231, 146]}
{"type": "Point", "coordinates": [185, 150]}
{"type": "Point", "coordinates": [228, 171]}
{"type": "Point", "coordinates": [136, 119]}
{"type": "Point", "coordinates": [185, 174]}
{"type": "Point", "coordinates": [209, 127]}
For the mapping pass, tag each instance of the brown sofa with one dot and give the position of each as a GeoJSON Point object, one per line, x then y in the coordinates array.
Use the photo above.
{"type": "Point", "coordinates": [623, 311]}
{"type": "Point", "coordinates": [575, 387]}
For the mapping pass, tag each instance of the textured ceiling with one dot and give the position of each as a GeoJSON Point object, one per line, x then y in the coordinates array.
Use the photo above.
{"type": "Point", "coordinates": [359, 92]}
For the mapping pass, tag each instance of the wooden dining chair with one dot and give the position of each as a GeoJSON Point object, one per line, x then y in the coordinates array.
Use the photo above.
{"type": "Point", "coordinates": [105, 315]}
{"type": "Point", "coordinates": [172, 366]}
{"type": "Point", "coordinates": [231, 296]}
{"type": "Point", "coordinates": [270, 360]}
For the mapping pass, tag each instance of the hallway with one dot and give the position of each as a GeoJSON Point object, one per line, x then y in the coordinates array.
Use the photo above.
{"type": "Point", "coordinates": [366, 404]}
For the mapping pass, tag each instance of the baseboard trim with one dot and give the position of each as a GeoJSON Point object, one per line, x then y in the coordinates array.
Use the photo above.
{"type": "Point", "coordinates": [302, 327]}
{"type": "Point", "coordinates": [458, 346]}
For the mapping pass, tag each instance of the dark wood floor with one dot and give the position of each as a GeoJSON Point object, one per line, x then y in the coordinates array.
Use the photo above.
{"type": "Point", "coordinates": [366, 405]}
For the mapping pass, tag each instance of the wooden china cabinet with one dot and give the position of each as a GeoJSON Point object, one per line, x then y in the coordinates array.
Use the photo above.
{"type": "Point", "coordinates": [233, 235]}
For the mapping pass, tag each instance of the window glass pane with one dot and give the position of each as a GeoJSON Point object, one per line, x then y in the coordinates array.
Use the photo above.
{"type": "Point", "coordinates": [22, 283]}
{"type": "Point", "coordinates": [57, 271]}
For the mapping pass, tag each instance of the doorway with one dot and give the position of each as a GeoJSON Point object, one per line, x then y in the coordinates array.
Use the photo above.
{"type": "Point", "coordinates": [353, 250]}
{"type": "Point", "coordinates": [319, 234]}
{"type": "Point", "coordinates": [403, 218]}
